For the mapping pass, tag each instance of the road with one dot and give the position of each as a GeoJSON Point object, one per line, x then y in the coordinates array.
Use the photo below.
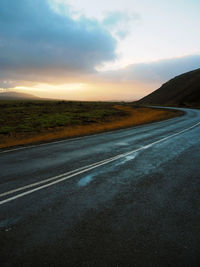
{"type": "Point", "coordinates": [124, 198]}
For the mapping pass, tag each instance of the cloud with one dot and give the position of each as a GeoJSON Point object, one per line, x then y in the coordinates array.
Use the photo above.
{"type": "Point", "coordinates": [6, 84]}
{"type": "Point", "coordinates": [36, 40]}
{"type": "Point", "coordinates": [128, 84]}
{"type": "Point", "coordinates": [154, 72]}
{"type": "Point", "coordinates": [120, 23]}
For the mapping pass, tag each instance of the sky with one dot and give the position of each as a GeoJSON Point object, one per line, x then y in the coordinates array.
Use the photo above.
{"type": "Point", "coordinates": [96, 50]}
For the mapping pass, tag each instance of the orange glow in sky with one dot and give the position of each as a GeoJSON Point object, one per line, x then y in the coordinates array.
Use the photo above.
{"type": "Point", "coordinates": [96, 50]}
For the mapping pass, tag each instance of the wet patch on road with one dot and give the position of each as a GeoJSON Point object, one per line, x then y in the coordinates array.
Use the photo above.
{"type": "Point", "coordinates": [127, 158]}
{"type": "Point", "coordinates": [85, 180]}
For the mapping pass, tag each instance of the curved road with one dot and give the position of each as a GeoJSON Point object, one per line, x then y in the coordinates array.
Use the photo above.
{"type": "Point", "coordinates": [124, 198]}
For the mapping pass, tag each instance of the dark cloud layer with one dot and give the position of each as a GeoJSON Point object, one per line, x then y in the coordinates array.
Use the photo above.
{"type": "Point", "coordinates": [33, 37]}
{"type": "Point", "coordinates": [38, 44]}
{"type": "Point", "coordinates": [155, 72]}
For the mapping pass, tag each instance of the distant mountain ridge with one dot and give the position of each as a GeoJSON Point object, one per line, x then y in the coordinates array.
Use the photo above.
{"type": "Point", "coordinates": [183, 90]}
{"type": "Point", "coordinates": [11, 95]}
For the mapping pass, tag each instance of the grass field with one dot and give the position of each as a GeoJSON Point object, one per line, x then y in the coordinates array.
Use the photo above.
{"type": "Point", "coordinates": [23, 122]}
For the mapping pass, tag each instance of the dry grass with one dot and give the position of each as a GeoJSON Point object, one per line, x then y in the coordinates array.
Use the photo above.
{"type": "Point", "coordinates": [133, 116]}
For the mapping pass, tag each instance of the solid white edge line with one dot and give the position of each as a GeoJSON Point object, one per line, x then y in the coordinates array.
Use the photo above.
{"type": "Point", "coordinates": [82, 137]}
{"type": "Point", "coordinates": [45, 144]}
{"type": "Point", "coordinates": [95, 166]}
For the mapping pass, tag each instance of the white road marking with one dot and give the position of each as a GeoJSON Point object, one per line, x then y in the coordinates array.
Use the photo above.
{"type": "Point", "coordinates": [83, 169]}
{"type": "Point", "coordinates": [45, 144]}
{"type": "Point", "coordinates": [47, 180]}
{"type": "Point", "coordinates": [83, 137]}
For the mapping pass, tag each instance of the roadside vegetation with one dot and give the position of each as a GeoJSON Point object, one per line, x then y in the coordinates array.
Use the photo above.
{"type": "Point", "coordinates": [23, 122]}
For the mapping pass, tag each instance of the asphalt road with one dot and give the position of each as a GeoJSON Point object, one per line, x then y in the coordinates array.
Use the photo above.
{"type": "Point", "coordinates": [125, 198]}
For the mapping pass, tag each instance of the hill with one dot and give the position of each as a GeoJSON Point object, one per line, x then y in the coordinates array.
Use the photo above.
{"type": "Point", "coordinates": [183, 90]}
{"type": "Point", "coordinates": [11, 95]}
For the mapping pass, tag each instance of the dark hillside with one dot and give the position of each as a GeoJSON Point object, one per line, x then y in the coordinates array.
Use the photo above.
{"type": "Point", "coordinates": [183, 90]}
{"type": "Point", "coordinates": [16, 96]}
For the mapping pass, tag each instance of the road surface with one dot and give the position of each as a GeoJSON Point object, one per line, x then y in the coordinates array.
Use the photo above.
{"type": "Point", "coordinates": [124, 198]}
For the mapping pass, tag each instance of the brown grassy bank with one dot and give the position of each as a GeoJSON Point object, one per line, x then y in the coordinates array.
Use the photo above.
{"type": "Point", "coordinates": [104, 118]}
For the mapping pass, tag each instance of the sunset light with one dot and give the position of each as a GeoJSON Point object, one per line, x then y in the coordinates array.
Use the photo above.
{"type": "Point", "coordinates": [71, 49]}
